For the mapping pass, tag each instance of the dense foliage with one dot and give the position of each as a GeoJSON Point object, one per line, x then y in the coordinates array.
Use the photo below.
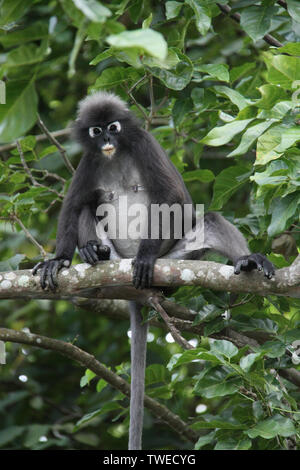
{"type": "Point", "coordinates": [220, 90]}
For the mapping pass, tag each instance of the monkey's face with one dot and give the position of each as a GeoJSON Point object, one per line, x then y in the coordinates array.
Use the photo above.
{"type": "Point", "coordinates": [105, 137]}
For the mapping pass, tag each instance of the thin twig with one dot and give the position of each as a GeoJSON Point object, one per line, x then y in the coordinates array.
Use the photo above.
{"type": "Point", "coordinates": [61, 150]}
{"type": "Point", "coordinates": [137, 105]}
{"type": "Point", "coordinates": [30, 175]}
{"type": "Point", "coordinates": [29, 236]}
{"type": "Point", "coordinates": [173, 330]}
{"type": "Point", "coordinates": [137, 83]}
{"type": "Point", "coordinates": [152, 101]}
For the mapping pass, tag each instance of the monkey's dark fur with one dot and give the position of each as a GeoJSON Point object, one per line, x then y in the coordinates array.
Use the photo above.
{"type": "Point", "coordinates": [120, 158]}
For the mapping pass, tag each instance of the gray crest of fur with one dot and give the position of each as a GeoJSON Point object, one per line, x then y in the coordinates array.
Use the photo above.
{"type": "Point", "coordinates": [100, 98]}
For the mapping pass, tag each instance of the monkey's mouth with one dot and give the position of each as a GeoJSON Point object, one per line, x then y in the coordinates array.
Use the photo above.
{"type": "Point", "coordinates": [108, 150]}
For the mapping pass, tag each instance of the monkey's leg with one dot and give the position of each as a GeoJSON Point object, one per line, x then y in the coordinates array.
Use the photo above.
{"type": "Point", "coordinates": [215, 233]}
{"type": "Point", "coordinates": [91, 248]}
{"type": "Point", "coordinates": [138, 365]}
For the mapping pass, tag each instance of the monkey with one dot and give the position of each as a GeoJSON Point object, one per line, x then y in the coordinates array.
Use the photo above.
{"type": "Point", "coordinates": [120, 159]}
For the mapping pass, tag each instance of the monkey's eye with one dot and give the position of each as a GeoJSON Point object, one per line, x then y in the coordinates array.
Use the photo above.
{"type": "Point", "coordinates": [94, 131]}
{"type": "Point", "coordinates": [114, 127]}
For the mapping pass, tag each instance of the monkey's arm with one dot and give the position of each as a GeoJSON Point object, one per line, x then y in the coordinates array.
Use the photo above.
{"type": "Point", "coordinates": [67, 232]}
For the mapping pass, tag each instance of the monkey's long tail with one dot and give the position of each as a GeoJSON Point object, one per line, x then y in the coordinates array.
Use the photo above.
{"type": "Point", "coordinates": [138, 364]}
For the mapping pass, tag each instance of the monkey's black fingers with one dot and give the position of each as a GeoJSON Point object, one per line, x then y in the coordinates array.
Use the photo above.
{"type": "Point", "coordinates": [93, 252]}
{"type": "Point", "coordinates": [103, 252]}
{"type": "Point", "coordinates": [37, 267]}
{"type": "Point", "coordinates": [49, 270]}
{"type": "Point", "coordinates": [268, 267]}
{"type": "Point", "coordinates": [240, 264]}
{"type": "Point", "coordinates": [88, 255]}
{"type": "Point", "coordinates": [255, 261]}
{"type": "Point", "coordinates": [143, 273]}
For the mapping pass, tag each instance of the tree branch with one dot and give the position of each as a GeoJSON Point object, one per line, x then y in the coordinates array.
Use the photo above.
{"type": "Point", "coordinates": [88, 281]}
{"type": "Point", "coordinates": [90, 362]}
{"type": "Point", "coordinates": [39, 138]}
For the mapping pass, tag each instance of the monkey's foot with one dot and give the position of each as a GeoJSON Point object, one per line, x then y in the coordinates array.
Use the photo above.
{"type": "Point", "coordinates": [93, 252]}
{"type": "Point", "coordinates": [143, 268]}
{"type": "Point", "coordinates": [49, 271]}
{"type": "Point", "coordinates": [254, 261]}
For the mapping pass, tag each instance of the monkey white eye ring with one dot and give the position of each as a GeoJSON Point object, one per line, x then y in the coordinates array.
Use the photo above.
{"type": "Point", "coordinates": [114, 127]}
{"type": "Point", "coordinates": [94, 131]}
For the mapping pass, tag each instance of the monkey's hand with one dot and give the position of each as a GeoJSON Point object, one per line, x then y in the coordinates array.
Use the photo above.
{"type": "Point", "coordinates": [254, 261]}
{"type": "Point", "coordinates": [93, 252]}
{"type": "Point", "coordinates": [50, 270]}
{"type": "Point", "coordinates": [143, 267]}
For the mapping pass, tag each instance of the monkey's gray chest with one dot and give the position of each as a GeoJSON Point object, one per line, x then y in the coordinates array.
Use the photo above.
{"type": "Point", "coordinates": [122, 209]}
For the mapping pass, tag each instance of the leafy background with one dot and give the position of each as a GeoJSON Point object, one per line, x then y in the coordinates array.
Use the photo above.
{"type": "Point", "coordinates": [221, 94]}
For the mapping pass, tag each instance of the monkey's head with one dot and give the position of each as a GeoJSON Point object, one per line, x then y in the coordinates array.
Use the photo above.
{"type": "Point", "coordinates": [104, 124]}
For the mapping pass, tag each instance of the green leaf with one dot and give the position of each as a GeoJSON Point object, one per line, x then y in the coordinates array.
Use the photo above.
{"type": "Point", "coordinates": [156, 373]}
{"type": "Point", "coordinates": [292, 48]}
{"type": "Point", "coordinates": [148, 40]}
{"type": "Point", "coordinates": [293, 9]}
{"type": "Point", "coordinates": [12, 10]}
{"type": "Point", "coordinates": [38, 30]}
{"type": "Point", "coordinates": [217, 424]}
{"type": "Point", "coordinates": [270, 94]}
{"type": "Point", "coordinates": [283, 70]}
{"type": "Point", "coordinates": [196, 354]}
{"type": "Point", "coordinates": [93, 10]}
{"type": "Point", "coordinates": [234, 96]}
{"type": "Point", "coordinates": [11, 264]}
{"type": "Point", "coordinates": [205, 176]}
{"type": "Point", "coordinates": [250, 136]}
{"type": "Point", "coordinates": [256, 20]}
{"type": "Point", "coordinates": [283, 209]}
{"type": "Point", "coordinates": [219, 390]}
{"type": "Point", "coordinates": [224, 347]}
{"type": "Point", "coordinates": [238, 72]}
{"type": "Point", "coordinates": [101, 385]}
{"type": "Point", "coordinates": [180, 110]}
{"type": "Point", "coordinates": [103, 56]}
{"type": "Point", "coordinates": [26, 55]}
{"type": "Point", "coordinates": [226, 184]}
{"type": "Point", "coordinates": [89, 416]}
{"type": "Point", "coordinates": [233, 444]}
{"type": "Point", "coordinates": [223, 134]}
{"type": "Point", "coordinates": [179, 76]}
{"type": "Point", "coordinates": [219, 71]}
{"type": "Point", "coordinates": [10, 434]}
{"type": "Point", "coordinates": [247, 362]}
{"type": "Point", "coordinates": [86, 378]}
{"type": "Point", "coordinates": [275, 426]}
{"type": "Point", "coordinates": [202, 13]}
{"type": "Point", "coordinates": [273, 143]}
{"type": "Point", "coordinates": [204, 440]}
{"type": "Point", "coordinates": [19, 113]}
{"type": "Point", "coordinates": [274, 348]}
{"type": "Point", "coordinates": [114, 76]}
{"type": "Point", "coordinates": [173, 9]}
{"type": "Point", "coordinates": [35, 431]}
